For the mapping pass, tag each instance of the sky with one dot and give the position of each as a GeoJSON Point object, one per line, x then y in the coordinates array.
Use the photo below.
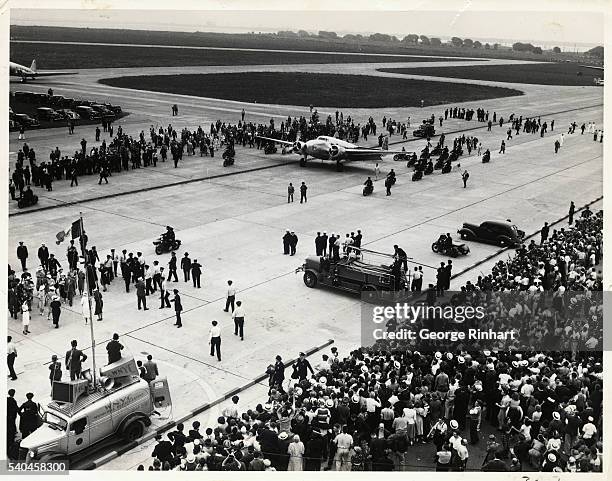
{"type": "Point", "coordinates": [536, 22]}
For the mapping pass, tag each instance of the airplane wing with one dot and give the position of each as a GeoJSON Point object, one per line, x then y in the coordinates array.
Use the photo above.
{"type": "Point", "coordinates": [366, 152]}
{"type": "Point", "coordinates": [51, 73]}
{"type": "Point", "coordinates": [282, 142]}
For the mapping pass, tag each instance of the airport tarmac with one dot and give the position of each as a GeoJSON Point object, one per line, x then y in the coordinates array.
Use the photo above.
{"type": "Point", "coordinates": [233, 225]}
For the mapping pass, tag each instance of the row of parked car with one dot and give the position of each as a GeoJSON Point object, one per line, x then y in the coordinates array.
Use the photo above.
{"type": "Point", "coordinates": [57, 108]}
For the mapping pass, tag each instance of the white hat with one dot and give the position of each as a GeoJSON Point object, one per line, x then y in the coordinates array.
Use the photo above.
{"type": "Point", "coordinates": [449, 356]}
{"type": "Point", "coordinates": [551, 457]}
{"type": "Point", "coordinates": [355, 398]}
{"type": "Point", "coordinates": [283, 435]}
{"type": "Point", "coordinates": [364, 368]}
{"type": "Point", "coordinates": [298, 391]}
{"type": "Point", "coordinates": [396, 364]}
{"type": "Point", "coordinates": [460, 359]}
{"type": "Point", "coordinates": [486, 352]}
{"type": "Point", "coordinates": [590, 419]}
{"type": "Point", "coordinates": [556, 415]}
{"type": "Point", "coordinates": [454, 424]}
{"type": "Point", "coordinates": [268, 407]}
{"type": "Point", "coordinates": [191, 458]}
{"type": "Point", "coordinates": [267, 463]}
{"type": "Point", "coordinates": [329, 403]}
{"type": "Point", "coordinates": [323, 380]}
{"type": "Point", "coordinates": [438, 355]}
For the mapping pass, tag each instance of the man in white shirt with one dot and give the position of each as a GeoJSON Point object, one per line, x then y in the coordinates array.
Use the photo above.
{"type": "Point", "coordinates": [214, 339]}
{"type": "Point", "coordinates": [231, 296]}
{"type": "Point", "coordinates": [589, 430]}
{"type": "Point", "coordinates": [238, 316]}
{"type": "Point", "coordinates": [11, 354]}
{"type": "Point", "coordinates": [344, 442]}
{"type": "Point", "coordinates": [462, 453]}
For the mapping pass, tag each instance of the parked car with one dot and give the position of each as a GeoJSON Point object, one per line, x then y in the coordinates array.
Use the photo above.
{"type": "Point", "coordinates": [502, 234]}
{"type": "Point", "coordinates": [46, 113]}
{"type": "Point", "coordinates": [58, 101]}
{"type": "Point", "coordinates": [68, 114]}
{"type": "Point", "coordinates": [103, 111]}
{"type": "Point", "coordinates": [22, 96]}
{"type": "Point", "coordinates": [87, 112]}
{"type": "Point", "coordinates": [26, 120]}
{"type": "Point", "coordinates": [113, 108]}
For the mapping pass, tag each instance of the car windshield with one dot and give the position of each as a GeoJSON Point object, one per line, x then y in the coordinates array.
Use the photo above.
{"type": "Point", "coordinates": [55, 421]}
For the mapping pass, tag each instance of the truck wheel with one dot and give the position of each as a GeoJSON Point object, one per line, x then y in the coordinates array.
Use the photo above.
{"type": "Point", "coordinates": [132, 431]}
{"type": "Point", "coordinates": [310, 279]}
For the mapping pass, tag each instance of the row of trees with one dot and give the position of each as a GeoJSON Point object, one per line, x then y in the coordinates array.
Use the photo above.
{"type": "Point", "coordinates": [413, 39]}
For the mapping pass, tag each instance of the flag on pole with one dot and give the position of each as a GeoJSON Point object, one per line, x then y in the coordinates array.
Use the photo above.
{"type": "Point", "coordinates": [73, 231]}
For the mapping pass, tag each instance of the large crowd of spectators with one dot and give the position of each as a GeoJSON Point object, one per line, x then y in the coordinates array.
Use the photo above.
{"type": "Point", "coordinates": [541, 408]}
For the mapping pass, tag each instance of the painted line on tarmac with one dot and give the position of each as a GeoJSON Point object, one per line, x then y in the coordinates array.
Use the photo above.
{"type": "Point", "coordinates": [147, 189]}
{"type": "Point", "coordinates": [194, 412]}
{"type": "Point", "coordinates": [501, 251]}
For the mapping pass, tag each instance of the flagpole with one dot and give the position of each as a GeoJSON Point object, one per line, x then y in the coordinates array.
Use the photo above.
{"type": "Point", "coordinates": [91, 328]}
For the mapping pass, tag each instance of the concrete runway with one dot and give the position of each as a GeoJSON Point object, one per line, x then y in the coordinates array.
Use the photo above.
{"type": "Point", "coordinates": [233, 225]}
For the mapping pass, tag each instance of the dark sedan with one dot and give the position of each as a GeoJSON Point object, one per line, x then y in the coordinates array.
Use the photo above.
{"type": "Point", "coordinates": [502, 234]}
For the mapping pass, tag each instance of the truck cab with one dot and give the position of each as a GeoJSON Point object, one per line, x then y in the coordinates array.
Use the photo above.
{"type": "Point", "coordinates": [122, 406]}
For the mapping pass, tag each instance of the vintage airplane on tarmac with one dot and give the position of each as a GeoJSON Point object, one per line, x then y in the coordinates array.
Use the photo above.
{"type": "Point", "coordinates": [17, 70]}
{"type": "Point", "coordinates": [332, 149]}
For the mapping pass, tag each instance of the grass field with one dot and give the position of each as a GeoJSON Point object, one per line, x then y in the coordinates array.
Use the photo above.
{"type": "Point", "coordinates": [210, 39]}
{"type": "Point", "coordinates": [322, 90]}
{"type": "Point", "coordinates": [57, 56]}
{"type": "Point", "coordinates": [544, 73]}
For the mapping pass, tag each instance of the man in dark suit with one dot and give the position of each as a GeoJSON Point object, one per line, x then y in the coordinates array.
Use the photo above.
{"type": "Point", "coordinates": [74, 359]}
{"type": "Point", "coordinates": [279, 374]}
{"type": "Point", "coordinates": [196, 273]}
{"type": "Point", "coordinates": [178, 307]}
{"type": "Point", "coordinates": [163, 449]}
{"type": "Point", "coordinates": [113, 348]}
{"type": "Point", "coordinates": [172, 268]}
{"type": "Point", "coordinates": [43, 256]}
{"type": "Point", "coordinates": [186, 266]}
{"type": "Point", "coordinates": [12, 408]}
{"type": "Point", "coordinates": [287, 243]}
{"type": "Point", "coordinates": [141, 294]}
{"type": "Point", "coordinates": [22, 255]}
{"type": "Point", "coordinates": [151, 368]}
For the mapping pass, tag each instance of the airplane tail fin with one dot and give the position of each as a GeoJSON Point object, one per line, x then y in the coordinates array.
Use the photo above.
{"type": "Point", "coordinates": [33, 66]}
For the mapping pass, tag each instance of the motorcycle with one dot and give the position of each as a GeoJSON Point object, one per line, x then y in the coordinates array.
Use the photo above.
{"type": "Point", "coordinates": [228, 157]}
{"type": "Point", "coordinates": [162, 245]}
{"type": "Point", "coordinates": [270, 149]}
{"type": "Point", "coordinates": [368, 189]}
{"type": "Point", "coordinates": [455, 250]}
{"type": "Point", "coordinates": [21, 203]}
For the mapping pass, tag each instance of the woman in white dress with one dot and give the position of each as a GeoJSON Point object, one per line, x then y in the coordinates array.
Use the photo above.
{"type": "Point", "coordinates": [296, 453]}
{"type": "Point", "coordinates": [85, 307]}
{"type": "Point", "coordinates": [25, 318]}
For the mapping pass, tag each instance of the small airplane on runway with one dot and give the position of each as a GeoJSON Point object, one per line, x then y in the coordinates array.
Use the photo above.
{"type": "Point", "coordinates": [335, 150]}
{"type": "Point", "coordinates": [17, 70]}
